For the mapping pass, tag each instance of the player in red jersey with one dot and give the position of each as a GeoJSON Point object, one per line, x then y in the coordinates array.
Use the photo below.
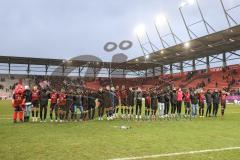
{"type": "Point", "coordinates": [53, 105]}
{"type": "Point", "coordinates": [18, 102]}
{"type": "Point", "coordinates": [62, 104]}
{"type": "Point", "coordinates": [201, 98]}
{"type": "Point", "coordinates": [35, 102]}
{"type": "Point", "coordinates": [223, 96]}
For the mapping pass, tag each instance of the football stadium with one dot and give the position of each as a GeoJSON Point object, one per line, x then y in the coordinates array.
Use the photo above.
{"type": "Point", "coordinates": [120, 80]}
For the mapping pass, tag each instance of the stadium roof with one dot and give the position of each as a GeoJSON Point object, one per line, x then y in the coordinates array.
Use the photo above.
{"type": "Point", "coordinates": [76, 63]}
{"type": "Point", "coordinates": [212, 44]}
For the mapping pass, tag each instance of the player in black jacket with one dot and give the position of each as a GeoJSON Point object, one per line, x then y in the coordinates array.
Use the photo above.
{"type": "Point", "coordinates": [44, 96]}
{"type": "Point", "coordinates": [216, 100]}
{"type": "Point", "coordinates": [69, 104]}
{"type": "Point", "coordinates": [91, 105]}
{"type": "Point", "coordinates": [208, 97]}
{"type": "Point", "coordinates": [100, 103]}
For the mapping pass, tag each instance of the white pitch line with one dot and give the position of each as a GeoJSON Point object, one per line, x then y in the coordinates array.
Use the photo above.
{"type": "Point", "coordinates": [177, 154]}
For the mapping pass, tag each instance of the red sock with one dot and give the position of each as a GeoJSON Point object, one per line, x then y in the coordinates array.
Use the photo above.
{"type": "Point", "coordinates": [21, 115]}
{"type": "Point", "coordinates": [15, 115]}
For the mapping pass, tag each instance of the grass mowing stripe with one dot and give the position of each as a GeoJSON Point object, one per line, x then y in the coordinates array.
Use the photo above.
{"type": "Point", "coordinates": [177, 154]}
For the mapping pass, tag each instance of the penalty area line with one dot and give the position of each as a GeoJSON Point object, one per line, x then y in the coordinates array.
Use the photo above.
{"type": "Point", "coordinates": [177, 154]}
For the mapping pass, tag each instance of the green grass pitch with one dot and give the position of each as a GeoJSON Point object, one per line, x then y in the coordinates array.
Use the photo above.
{"type": "Point", "coordinates": [101, 140]}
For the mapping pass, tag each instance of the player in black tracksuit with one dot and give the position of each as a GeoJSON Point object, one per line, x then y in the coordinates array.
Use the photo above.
{"type": "Point", "coordinates": [208, 97]}
{"type": "Point", "coordinates": [130, 101]}
{"type": "Point", "coordinates": [44, 96]}
{"type": "Point", "coordinates": [101, 104]}
{"type": "Point", "coordinates": [154, 104]}
{"type": "Point", "coordinates": [167, 103]}
{"type": "Point", "coordinates": [173, 97]}
{"type": "Point", "coordinates": [85, 105]}
{"type": "Point", "coordinates": [216, 100]}
{"type": "Point", "coordinates": [69, 104]}
{"type": "Point", "coordinates": [107, 101]}
{"type": "Point", "coordinates": [91, 105]}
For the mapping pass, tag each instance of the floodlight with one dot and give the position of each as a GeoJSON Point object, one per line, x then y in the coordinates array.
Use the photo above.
{"type": "Point", "coordinates": [187, 45]}
{"type": "Point", "coordinates": [147, 56]}
{"type": "Point", "coordinates": [190, 2]}
{"type": "Point", "coordinates": [160, 20]}
{"type": "Point", "coordinates": [187, 3]}
{"type": "Point", "coordinates": [140, 30]}
{"type": "Point", "coordinates": [136, 60]}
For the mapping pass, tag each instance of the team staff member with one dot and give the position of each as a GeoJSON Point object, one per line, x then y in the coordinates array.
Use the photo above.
{"type": "Point", "coordinates": [187, 102]}
{"type": "Point", "coordinates": [167, 103]}
{"type": "Point", "coordinates": [201, 103]}
{"type": "Point", "coordinates": [130, 101]}
{"type": "Point", "coordinates": [100, 103]}
{"type": "Point", "coordinates": [35, 103]}
{"type": "Point", "coordinates": [154, 104]}
{"type": "Point", "coordinates": [44, 96]}
{"type": "Point", "coordinates": [53, 105]}
{"type": "Point", "coordinates": [123, 101]}
{"type": "Point", "coordinates": [208, 97]}
{"type": "Point", "coordinates": [118, 102]}
{"type": "Point", "coordinates": [216, 100]}
{"type": "Point", "coordinates": [91, 105]}
{"type": "Point", "coordinates": [85, 105]}
{"type": "Point", "coordinates": [69, 104]}
{"type": "Point", "coordinates": [173, 96]}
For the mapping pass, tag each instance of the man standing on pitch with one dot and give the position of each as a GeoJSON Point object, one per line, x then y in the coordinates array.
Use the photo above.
{"type": "Point", "coordinates": [216, 100]}
{"type": "Point", "coordinates": [44, 96]}
{"type": "Point", "coordinates": [208, 97]}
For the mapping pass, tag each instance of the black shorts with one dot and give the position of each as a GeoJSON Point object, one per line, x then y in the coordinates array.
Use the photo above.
{"type": "Point", "coordinates": [187, 104]}
{"type": "Point", "coordinates": [147, 106]}
{"type": "Point", "coordinates": [18, 108]}
{"type": "Point", "coordinates": [35, 104]}
{"type": "Point", "coordinates": [123, 102]}
{"type": "Point", "coordinates": [116, 102]}
{"type": "Point", "coordinates": [154, 107]}
{"type": "Point", "coordinates": [62, 108]}
{"type": "Point", "coordinates": [201, 105]}
{"type": "Point", "coordinates": [85, 108]}
{"type": "Point", "coordinates": [68, 107]}
{"type": "Point", "coordinates": [53, 106]}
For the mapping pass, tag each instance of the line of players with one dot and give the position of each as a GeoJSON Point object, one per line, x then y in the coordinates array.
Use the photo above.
{"type": "Point", "coordinates": [116, 102]}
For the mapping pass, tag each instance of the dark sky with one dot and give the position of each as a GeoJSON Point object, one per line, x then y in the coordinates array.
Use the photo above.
{"type": "Point", "coordinates": [69, 28]}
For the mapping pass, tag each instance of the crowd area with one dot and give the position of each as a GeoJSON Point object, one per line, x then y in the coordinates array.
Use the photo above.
{"type": "Point", "coordinates": [111, 102]}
